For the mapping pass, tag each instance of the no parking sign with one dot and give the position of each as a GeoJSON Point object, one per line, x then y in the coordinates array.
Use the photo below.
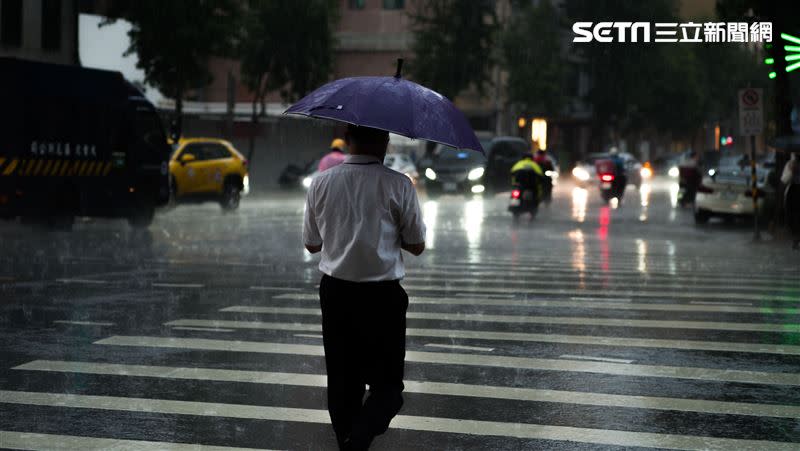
{"type": "Point", "coordinates": [751, 111]}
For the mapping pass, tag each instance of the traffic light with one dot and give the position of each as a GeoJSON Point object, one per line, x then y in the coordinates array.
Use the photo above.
{"type": "Point", "coordinates": [726, 141]}
{"type": "Point", "coordinates": [792, 51]}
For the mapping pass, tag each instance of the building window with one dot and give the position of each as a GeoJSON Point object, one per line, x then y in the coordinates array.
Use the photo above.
{"type": "Point", "coordinates": [393, 4]}
{"type": "Point", "coordinates": [356, 4]}
{"type": "Point", "coordinates": [11, 23]}
{"type": "Point", "coordinates": [51, 24]}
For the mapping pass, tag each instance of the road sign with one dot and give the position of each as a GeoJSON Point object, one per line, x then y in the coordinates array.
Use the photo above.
{"type": "Point", "coordinates": [751, 111]}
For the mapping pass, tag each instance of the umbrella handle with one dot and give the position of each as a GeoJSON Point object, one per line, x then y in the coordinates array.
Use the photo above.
{"type": "Point", "coordinates": [399, 67]}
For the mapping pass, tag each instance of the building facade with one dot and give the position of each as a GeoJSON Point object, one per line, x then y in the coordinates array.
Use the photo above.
{"type": "Point", "coordinates": [40, 30]}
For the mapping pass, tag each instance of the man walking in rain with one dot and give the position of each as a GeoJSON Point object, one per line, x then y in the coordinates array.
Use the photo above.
{"type": "Point", "coordinates": [360, 214]}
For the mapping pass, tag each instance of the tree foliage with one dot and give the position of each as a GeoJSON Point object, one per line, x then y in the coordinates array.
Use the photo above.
{"type": "Point", "coordinates": [533, 57]}
{"type": "Point", "coordinates": [277, 56]}
{"type": "Point", "coordinates": [453, 44]}
{"type": "Point", "coordinates": [174, 40]}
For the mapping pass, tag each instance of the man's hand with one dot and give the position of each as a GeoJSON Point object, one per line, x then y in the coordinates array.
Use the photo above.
{"type": "Point", "coordinates": [415, 249]}
{"type": "Point", "coordinates": [314, 249]}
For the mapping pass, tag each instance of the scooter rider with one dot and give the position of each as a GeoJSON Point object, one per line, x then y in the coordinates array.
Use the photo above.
{"type": "Point", "coordinates": [620, 177]}
{"type": "Point", "coordinates": [526, 173]}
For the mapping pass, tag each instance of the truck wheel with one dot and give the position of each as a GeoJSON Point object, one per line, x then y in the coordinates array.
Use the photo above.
{"type": "Point", "coordinates": [142, 217]}
{"type": "Point", "coordinates": [231, 195]}
{"type": "Point", "coordinates": [701, 216]}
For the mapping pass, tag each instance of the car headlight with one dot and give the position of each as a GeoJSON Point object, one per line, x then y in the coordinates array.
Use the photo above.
{"type": "Point", "coordinates": [246, 184]}
{"type": "Point", "coordinates": [580, 174]}
{"type": "Point", "coordinates": [430, 173]}
{"type": "Point", "coordinates": [712, 172]}
{"type": "Point", "coordinates": [646, 173]}
{"type": "Point", "coordinates": [551, 174]}
{"type": "Point", "coordinates": [307, 182]}
{"type": "Point", "coordinates": [475, 174]}
{"type": "Point", "coordinates": [674, 171]}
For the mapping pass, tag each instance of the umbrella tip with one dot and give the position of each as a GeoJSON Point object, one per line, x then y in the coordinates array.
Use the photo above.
{"type": "Point", "coordinates": [399, 67]}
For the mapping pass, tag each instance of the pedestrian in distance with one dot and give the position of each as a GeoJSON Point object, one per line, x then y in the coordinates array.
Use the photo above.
{"type": "Point", "coordinates": [359, 215]}
{"type": "Point", "coordinates": [335, 157]}
{"type": "Point", "coordinates": [791, 178]}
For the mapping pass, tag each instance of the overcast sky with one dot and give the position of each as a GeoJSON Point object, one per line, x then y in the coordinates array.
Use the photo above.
{"type": "Point", "coordinates": [102, 48]}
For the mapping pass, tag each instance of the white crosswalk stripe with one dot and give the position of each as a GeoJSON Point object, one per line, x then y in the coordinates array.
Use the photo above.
{"type": "Point", "coordinates": [438, 388]}
{"type": "Point", "coordinates": [709, 374]}
{"type": "Point", "coordinates": [417, 423]}
{"type": "Point", "coordinates": [592, 303]}
{"type": "Point", "coordinates": [568, 320]}
{"type": "Point", "coordinates": [33, 441]}
{"type": "Point", "coordinates": [699, 345]}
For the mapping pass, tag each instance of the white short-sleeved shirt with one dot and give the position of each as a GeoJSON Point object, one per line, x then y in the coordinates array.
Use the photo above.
{"type": "Point", "coordinates": [359, 211]}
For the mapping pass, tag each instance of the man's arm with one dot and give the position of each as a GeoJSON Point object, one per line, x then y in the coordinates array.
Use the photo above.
{"type": "Point", "coordinates": [311, 236]}
{"type": "Point", "coordinates": [415, 249]}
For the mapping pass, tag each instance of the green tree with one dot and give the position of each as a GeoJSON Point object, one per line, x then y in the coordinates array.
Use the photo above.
{"type": "Point", "coordinates": [533, 57]}
{"type": "Point", "coordinates": [453, 44]}
{"type": "Point", "coordinates": [174, 39]}
{"type": "Point", "coordinates": [276, 56]}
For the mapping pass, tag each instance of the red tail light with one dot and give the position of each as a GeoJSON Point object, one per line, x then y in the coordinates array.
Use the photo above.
{"type": "Point", "coordinates": [607, 177]}
{"type": "Point", "coordinates": [515, 194]}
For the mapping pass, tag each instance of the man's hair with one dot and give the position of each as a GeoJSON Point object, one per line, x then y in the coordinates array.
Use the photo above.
{"type": "Point", "coordinates": [367, 139]}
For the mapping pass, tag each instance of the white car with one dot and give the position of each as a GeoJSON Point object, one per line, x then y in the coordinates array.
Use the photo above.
{"type": "Point", "coordinates": [725, 191]}
{"type": "Point", "coordinates": [402, 163]}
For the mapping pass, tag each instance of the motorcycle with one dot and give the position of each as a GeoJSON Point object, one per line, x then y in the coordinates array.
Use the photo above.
{"type": "Point", "coordinates": [524, 196]}
{"type": "Point", "coordinates": [612, 185]}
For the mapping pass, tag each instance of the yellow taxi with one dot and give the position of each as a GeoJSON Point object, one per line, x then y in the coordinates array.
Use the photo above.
{"type": "Point", "coordinates": [208, 169]}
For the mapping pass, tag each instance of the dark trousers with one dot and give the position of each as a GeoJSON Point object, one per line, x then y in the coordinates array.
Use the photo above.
{"type": "Point", "coordinates": [364, 333]}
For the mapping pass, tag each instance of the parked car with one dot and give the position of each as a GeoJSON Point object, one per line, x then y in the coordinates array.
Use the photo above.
{"type": "Point", "coordinates": [726, 191]}
{"type": "Point", "coordinates": [208, 169]}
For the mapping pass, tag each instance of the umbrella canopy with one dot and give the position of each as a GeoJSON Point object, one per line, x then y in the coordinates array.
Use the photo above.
{"type": "Point", "coordinates": [392, 104]}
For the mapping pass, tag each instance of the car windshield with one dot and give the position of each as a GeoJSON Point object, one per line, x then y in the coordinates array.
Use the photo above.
{"type": "Point", "coordinates": [450, 154]}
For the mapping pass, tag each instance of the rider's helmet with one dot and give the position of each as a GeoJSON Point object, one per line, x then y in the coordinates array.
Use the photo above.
{"type": "Point", "coordinates": [338, 144]}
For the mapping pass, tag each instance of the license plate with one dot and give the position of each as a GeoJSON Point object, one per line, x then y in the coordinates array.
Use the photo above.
{"type": "Point", "coordinates": [606, 185]}
{"type": "Point", "coordinates": [449, 186]}
{"type": "Point", "coordinates": [514, 202]}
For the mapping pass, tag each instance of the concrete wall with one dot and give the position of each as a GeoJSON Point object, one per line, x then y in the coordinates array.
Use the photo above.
{"type": "Point", "coordinates": [279, 142]}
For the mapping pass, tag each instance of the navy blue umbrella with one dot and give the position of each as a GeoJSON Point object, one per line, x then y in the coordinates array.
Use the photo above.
{"type": "Point", "coordinates": [392, 104]}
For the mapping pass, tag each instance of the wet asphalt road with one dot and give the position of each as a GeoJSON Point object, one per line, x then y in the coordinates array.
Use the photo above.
{"type": "Point", "coordinates": [588, 328]}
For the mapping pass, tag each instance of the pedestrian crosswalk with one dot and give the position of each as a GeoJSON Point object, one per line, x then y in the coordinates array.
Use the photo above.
{"type": "Point", "coordinates": [677, 364]}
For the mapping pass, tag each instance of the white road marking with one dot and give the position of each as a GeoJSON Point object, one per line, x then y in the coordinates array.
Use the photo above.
{"type": "Point", "coordinates": [34, 441]}
{"type": "Point", "coordinates": [565, 320]}
{"type": "Point", "coordinates": [444, 358]}
{"type": "Point", "coordinates": [587, 298]}
{"type": "Point", "coordinates": [491, 296]}
{"type": "Point", "coordinates": [177, 285]}
{"type": "Point", "coordinates": [203, 329]}
{"type": "Point", "coordinates": [83, 281]}
{"type": "Point", "coordinates": [724, 303]}
{"type": "Point", "coordinates": [417, 423]}
{"type": "Point", "coordinates": [462, 347]}
{"type": "Point", "coordinates": [659, 294]}
{"type": "Point", "coordinates": [600, 303]}
{"type": "Point", "coordinates": [308, 336]}
{"type": "Point", "coordinates": [437, 388]}
{"type": "Point", "coordinates": [84, 323]}
{"type": "Point", "coordinates": [598, 359]}
{"type": "Point", "coordinates": [693, 345]}
{"type": "Point", "coordinates": [259, 288]}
